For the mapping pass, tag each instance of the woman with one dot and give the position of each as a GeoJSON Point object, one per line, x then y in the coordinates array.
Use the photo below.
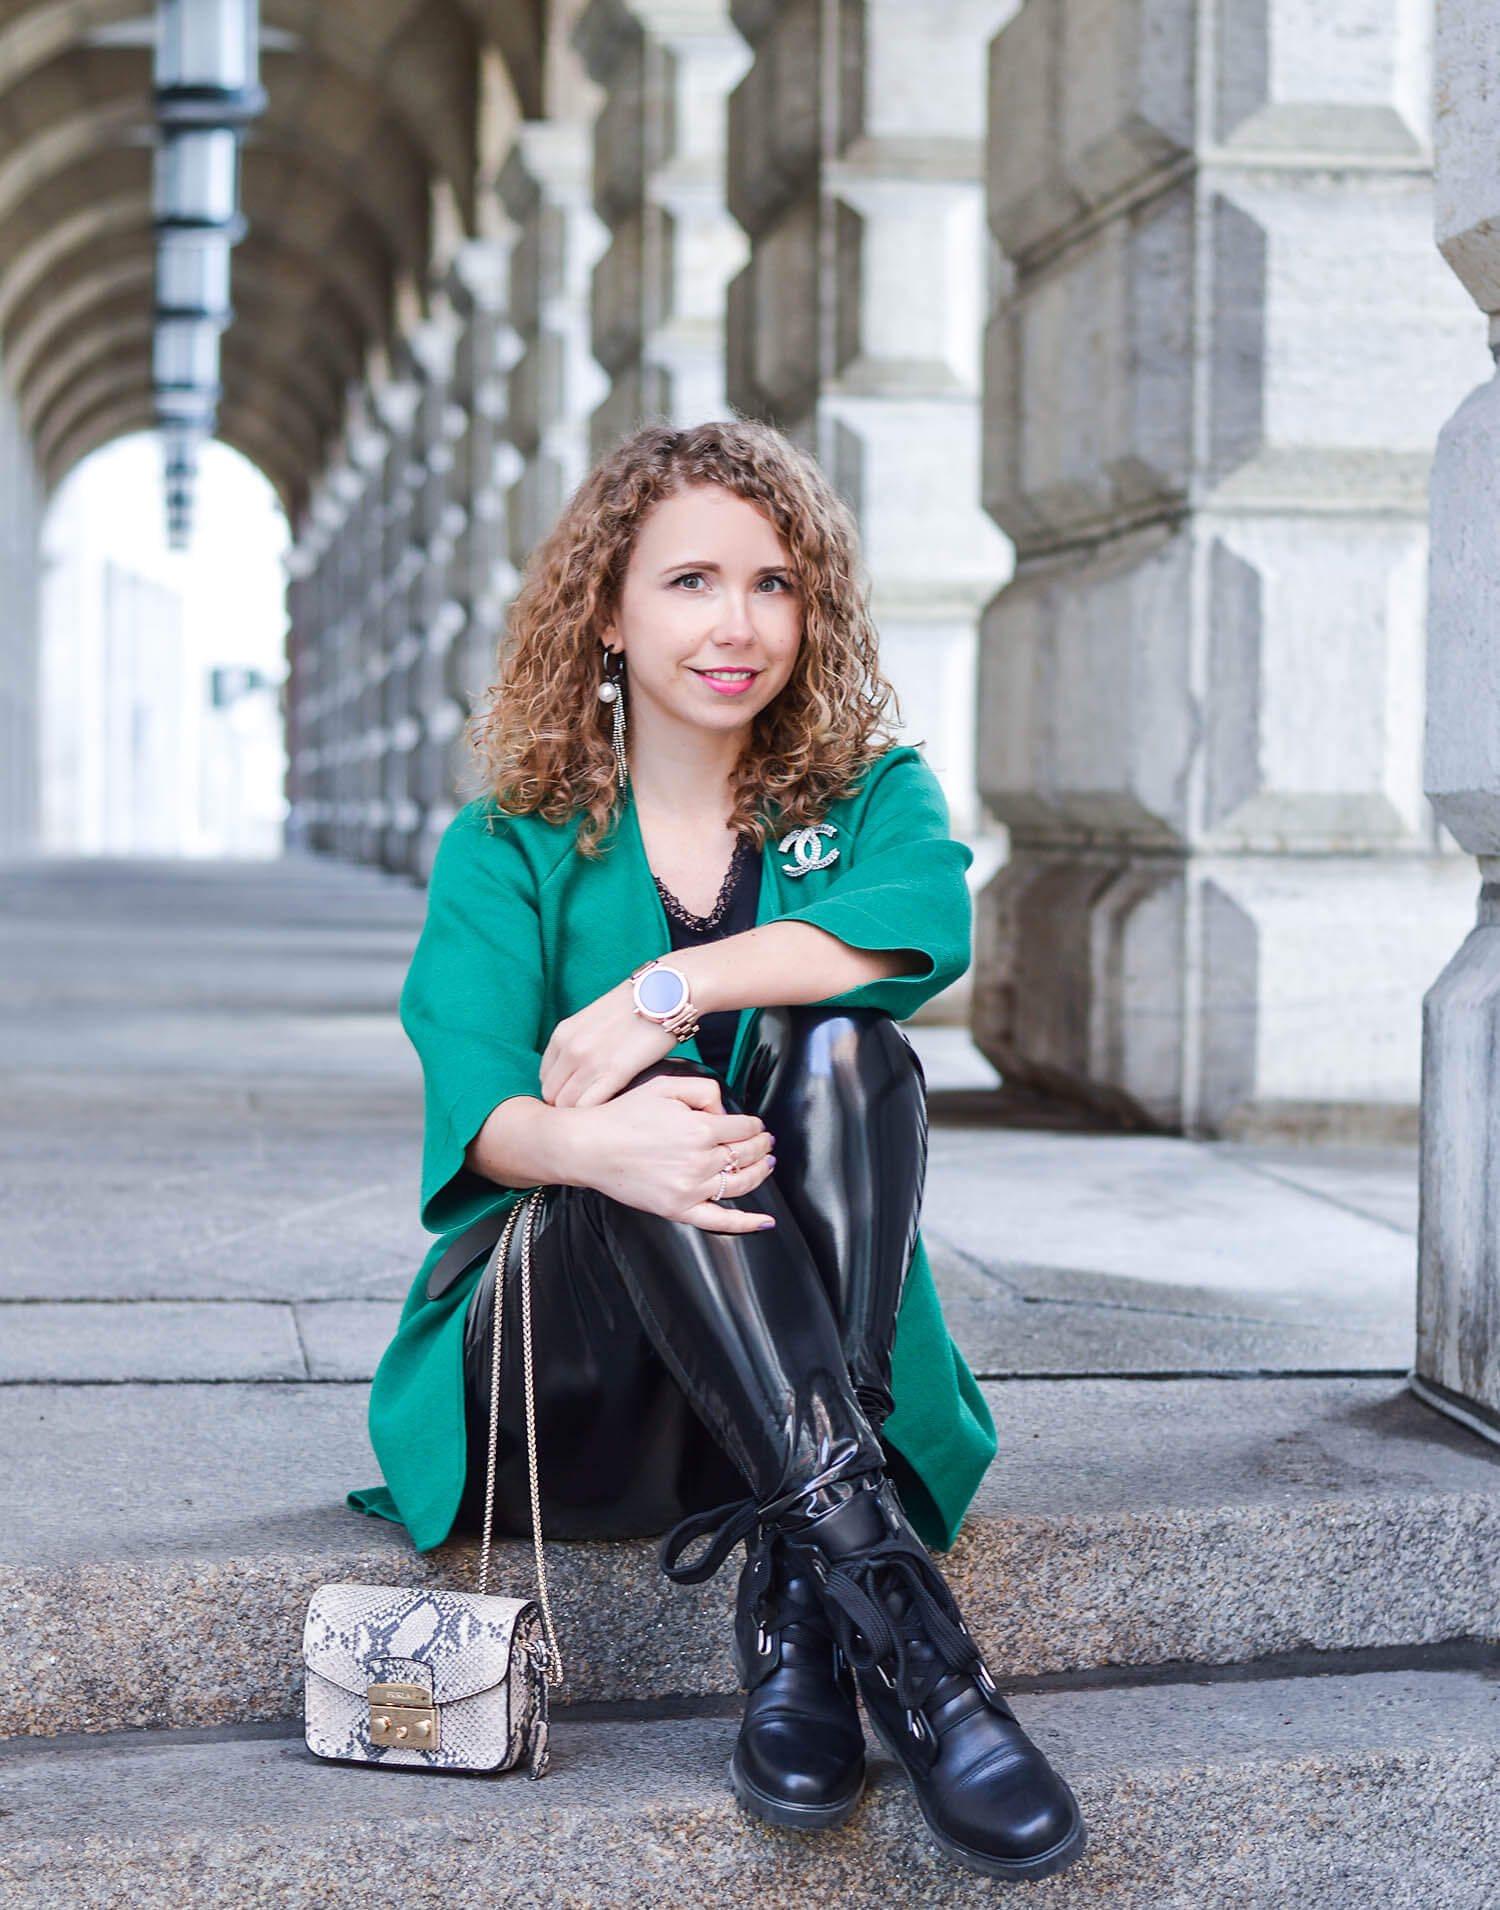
{"type": "Point", "coordinates": [686, 758]}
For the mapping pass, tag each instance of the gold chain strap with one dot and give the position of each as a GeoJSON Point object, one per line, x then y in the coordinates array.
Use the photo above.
{"type": "Point", "coordinates": [497, 1264]}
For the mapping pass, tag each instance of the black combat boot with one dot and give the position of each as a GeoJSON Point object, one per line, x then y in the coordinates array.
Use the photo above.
{"type": "Point", "coordinates": [990, 1798]}
{"type": "Point", "coordinates": [800, 1757]}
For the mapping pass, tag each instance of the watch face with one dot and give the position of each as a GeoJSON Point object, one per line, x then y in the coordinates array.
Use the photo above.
{"type": "Point", "coordinates": [660, 991]}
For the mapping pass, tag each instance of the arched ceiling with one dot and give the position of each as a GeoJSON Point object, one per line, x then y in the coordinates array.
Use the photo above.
{"type": "Point", "coordinates": [371, 105]}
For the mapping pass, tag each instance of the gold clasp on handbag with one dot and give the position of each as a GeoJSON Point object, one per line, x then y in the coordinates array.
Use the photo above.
{"type": "Point", "coordinates": [403, 1714]}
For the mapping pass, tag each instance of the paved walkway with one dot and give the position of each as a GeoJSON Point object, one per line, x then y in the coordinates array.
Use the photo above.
{"type": "Point", "coordinates": [213, 1139]}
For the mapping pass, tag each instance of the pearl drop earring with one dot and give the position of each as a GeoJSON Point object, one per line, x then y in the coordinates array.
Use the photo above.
{"type": "Point", "coordinates": [612, 690]}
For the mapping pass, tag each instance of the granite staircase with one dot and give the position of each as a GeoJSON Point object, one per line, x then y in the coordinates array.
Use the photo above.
{"type": "Point", "coordinates": [1242, 1586]}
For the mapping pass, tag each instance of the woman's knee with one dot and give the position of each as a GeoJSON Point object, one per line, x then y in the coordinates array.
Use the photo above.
{"type": "Point", "coordinates": [811, 1040]}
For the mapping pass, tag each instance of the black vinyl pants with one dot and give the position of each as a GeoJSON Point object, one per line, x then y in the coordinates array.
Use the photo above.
{"type": "Point", "coordinates": [649, 1331]}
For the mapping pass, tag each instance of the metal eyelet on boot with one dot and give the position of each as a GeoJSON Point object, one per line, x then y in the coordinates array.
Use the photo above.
{"type": "Point", "coordinates": [988, 1794]}
{"type": "Point", "coordinates": [799, 1759]}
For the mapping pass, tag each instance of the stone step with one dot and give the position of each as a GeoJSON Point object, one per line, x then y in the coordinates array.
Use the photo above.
{"type": "Point", "coordinates": [161, 1543]}
{"type": "Point", "coordinates": [1335, 1792]}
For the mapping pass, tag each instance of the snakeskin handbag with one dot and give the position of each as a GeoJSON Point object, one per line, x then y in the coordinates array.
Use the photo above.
{"type": "Point", "coordinates": [440, 1680]}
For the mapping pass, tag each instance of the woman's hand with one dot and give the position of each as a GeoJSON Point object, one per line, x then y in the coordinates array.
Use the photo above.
{"type": "Point", "coordinates": [594, 1054]}
{"type": "Point", "coordinates": [660, 1146]}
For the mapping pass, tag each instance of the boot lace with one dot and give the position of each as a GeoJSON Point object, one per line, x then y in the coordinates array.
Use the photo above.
{"type": "Point", "coordinates": [846, 1467]}
{"type": "Point", "coordinates": [728, 1524]}
{"type": "Point", "coordinates": [889, 1612]}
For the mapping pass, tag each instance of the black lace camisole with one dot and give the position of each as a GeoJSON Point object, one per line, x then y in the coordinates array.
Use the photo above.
{"type": "Point", "coordinates": [732, 914]}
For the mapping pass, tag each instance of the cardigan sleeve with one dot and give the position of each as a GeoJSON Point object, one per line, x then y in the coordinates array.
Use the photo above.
{"type": "Point", "coordinates": [472, 1003]}
{"type": "Point", "coordinates": [902, 886]}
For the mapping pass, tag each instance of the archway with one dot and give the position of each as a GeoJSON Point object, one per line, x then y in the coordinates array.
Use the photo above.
{"type": "Point", "coordinates": [161, 670]}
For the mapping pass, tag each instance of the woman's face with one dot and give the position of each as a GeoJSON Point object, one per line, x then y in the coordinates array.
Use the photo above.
{"type": "Point", "coordinates": [709, 616]}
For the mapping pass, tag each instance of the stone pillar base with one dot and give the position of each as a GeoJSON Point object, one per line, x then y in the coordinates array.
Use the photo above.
{"type": "Point", "coordinates": [1467, 1412]}
{"type": "Point", "coordinates": [1458, 1267]}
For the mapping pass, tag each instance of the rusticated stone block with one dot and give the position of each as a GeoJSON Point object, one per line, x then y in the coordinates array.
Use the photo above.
{"type": "Point", "coordinates": [1311, 743]}
{"type": "Point", "coordinates": [1087, 723]}
{"type": "Point", "coordinates": [779, 307]}
{"type": "Point", "coordinates": [1093, 727]}
{"type": "Point", "coordinates": [1093, 387]}
{"type": "Point", "coordinates": [1027, 196]}
{"type": "Point", "coordinates": [907, 256]}
{"type": "Point", "coordinates": [1127, 89]}
{"type": "Point", "coordinates": [1089, 98]}
{"type": "Point", "coordinates": [909, 75]}
{"type": "Point", "coordinates": [1304, 266]}
{"type": "Point", "coordinates": [637, 392]}
{"type": "Point", "coordinates": [774, 112]}
{"type": "Point", "coordinates": [1088, 379]}
{"type": "Point", "coordinates": [1193, 991]}
{"type": "Point", "coordinates": [900, 457]}
{"type": "Point", "coordinates": [610, 39]}
{"type": "Point", "coordinates": [1354, 77]}
{"type": "Point", "coordinates": [1086, 97]}
{"type": "Point", "coordinates": [1078, 990]}
{"type": "Point", "coordinates": [536, 499]}
{"type": "Point", "coordinates": [617, 319]}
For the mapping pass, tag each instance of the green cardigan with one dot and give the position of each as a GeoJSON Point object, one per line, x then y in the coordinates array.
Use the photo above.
{"type": "Point", "coordinates": [522, 931]}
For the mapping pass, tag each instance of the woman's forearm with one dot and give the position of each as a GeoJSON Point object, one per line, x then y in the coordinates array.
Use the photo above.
{"type": "Point", "coordinates": [526, 1143]}
{"type": "Point", "coordinates": [785, 962]}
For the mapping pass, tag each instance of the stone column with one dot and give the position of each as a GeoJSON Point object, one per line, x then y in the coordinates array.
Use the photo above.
{"type": "Point", "coordinates": [329, 581]}
{"type": "Point", "coordinates": [855, 146]}
{"type": "Point", "coordinates": [1215, 373]}
{"type": "Point", "coordinates": [482, 578]}
{"type": "Point", "coordinates": [1458, 1279]}
{"type": "Point", "coordinates": [476, 466]}
{"type": "Point", "coordinates": [313, 572]}
{"type": "Point", "coordinates": [438, 616]}
{"type": "Point", "coordinates": [388, 637]}
{"type": "Point", "coordinates": [20, 679]}
{"type": "Point", "coordinates": [555, 383]}
{"type": "Point", "coordinates": [307, 763]}
{"type": "Point", "coordinates": [666, 67]}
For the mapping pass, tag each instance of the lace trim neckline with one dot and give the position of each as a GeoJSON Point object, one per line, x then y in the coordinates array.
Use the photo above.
{"type": "Point", "coordinates": [701, 923]}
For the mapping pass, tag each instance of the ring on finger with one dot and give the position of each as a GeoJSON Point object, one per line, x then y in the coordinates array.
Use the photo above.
{"type": "Point", "coordinates": [718, 1193]}
{"type": "Point", "coordinates": [734, 1159]}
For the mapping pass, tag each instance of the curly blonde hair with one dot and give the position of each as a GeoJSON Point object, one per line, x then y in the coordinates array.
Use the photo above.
{"type": "Point", "coordinates": [540, 735]}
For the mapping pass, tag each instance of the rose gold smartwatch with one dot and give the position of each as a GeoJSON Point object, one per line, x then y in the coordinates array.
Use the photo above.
{"type": "Point", "coordinates": [662, 995]}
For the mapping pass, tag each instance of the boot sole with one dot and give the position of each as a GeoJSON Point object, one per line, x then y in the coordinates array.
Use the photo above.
{"type": "Point", "coordinates": [791, 1816]}
{"type": "Point", "coordinates": [1019, 1869]}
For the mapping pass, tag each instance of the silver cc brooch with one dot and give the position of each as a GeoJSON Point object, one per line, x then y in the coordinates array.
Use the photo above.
{"type": "Point", "coordinates": [804, 846]}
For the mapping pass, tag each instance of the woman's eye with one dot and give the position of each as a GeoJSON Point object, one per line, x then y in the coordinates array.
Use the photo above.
{"type": "Point", "coordinates": [689, 577]}
{"type": "Point", "coordinates": [780, 583]}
